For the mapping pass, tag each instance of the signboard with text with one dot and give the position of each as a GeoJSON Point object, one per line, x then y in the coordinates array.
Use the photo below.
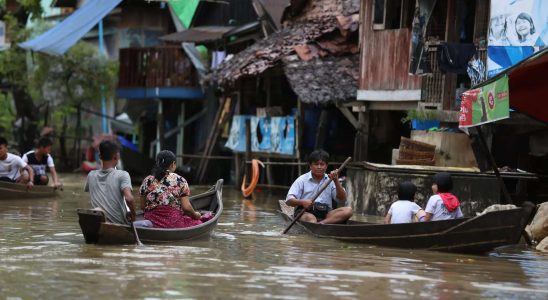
{"type": "Point", "coordinates": [486, 104]}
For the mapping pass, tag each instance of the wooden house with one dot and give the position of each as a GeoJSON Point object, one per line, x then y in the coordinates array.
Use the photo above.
{"type": "Point", "coordinates": [307, 71]}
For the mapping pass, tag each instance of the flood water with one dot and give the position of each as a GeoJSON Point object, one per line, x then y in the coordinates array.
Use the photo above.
{"type": "Point", "coordinates": [43, 256]}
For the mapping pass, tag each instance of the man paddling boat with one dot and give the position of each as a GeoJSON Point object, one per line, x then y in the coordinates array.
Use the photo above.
{"type": "Point", "coordinates": [320, 209]}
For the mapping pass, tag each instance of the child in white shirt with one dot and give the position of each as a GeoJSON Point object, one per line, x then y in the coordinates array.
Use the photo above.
{"type": "Point", "coordinates": [403, 210]}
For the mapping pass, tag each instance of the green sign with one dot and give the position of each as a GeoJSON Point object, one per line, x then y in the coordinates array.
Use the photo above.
{"type": "Point", "coordinates": [486, 104]}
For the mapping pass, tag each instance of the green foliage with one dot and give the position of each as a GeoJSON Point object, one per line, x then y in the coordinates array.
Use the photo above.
{"type": "Point", "coordinates": [7, 113]}
{"type": "Point", "coordinates": [32, 6]}
{"type": "Point", "coordinates": [80, 76]}
{"type": "Point", "coordinates": [420, 114]}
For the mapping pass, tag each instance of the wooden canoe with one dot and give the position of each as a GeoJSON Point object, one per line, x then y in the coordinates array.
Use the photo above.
{"type": "Point", "coordinates": [465, 235]}
{"type": "Point", "coordinates": [97, 231]}
{"type": "Point", "coordinates": [10, 190]}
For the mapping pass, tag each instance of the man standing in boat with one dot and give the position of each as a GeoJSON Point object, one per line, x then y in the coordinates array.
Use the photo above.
{"type": "Point", "coordinates": [40, 160]}
{"type": "Point", "coordinates": [307, 185]}
{"type": "Point", "coordinates": [12, 167]}
{"type": "Point", "coordinates": [110, 189]}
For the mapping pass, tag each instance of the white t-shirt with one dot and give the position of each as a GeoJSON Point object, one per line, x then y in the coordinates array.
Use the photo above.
{"type": "Point", "coordinates": [402, 211]}
{"type": "Point", "coordinates": [438, 210]}
{"type": "Point", "coordinates": [11, 165]}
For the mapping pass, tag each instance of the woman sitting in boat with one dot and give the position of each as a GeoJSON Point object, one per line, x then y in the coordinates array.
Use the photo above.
{"type": "Point", "coordinates": [404, 209]}
{"type": "Point", "coordinates": [320, 209]}
{"type": "Point", "coordinates": [164, 196]}
{"type": "Point", "coordinates": [443, 205]}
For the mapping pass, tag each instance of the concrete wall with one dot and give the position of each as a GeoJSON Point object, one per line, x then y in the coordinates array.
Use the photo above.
{"type": "Point", "coordinates": [372, 191]}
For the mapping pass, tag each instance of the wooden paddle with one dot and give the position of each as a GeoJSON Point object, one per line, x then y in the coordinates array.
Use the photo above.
{"type": "Point", "coordinates": [137, 240]}
{"type": "Point", "coordinates": [324, 186]}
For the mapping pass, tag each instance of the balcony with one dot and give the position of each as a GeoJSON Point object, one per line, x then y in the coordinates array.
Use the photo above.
{"type": "Point", "coordinates": [157, 72]}
{"type": "Point", "coordinates": [438, 89]}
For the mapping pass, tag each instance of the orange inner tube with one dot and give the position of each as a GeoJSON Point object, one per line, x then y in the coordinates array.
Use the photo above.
{"type": "Point", "coordinates": [247, 191]}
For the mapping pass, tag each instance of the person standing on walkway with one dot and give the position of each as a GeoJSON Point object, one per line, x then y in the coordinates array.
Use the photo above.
{"type": "Point", "coordinates": [109, 188]}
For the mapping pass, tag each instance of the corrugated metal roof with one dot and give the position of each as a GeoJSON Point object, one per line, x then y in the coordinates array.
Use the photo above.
{"type": "Point", "coordinates": [201, 34]}
{"type": "Point", "coordinates": [275, 9]}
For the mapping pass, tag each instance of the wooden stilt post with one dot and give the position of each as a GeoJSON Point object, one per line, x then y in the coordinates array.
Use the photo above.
{"type": "Point", "coordinates": [160, 127]}
{"type": "Point", "coordinates": [181, 135]}
{"type": "Point", "coordinates": [298, 134]}
{"type": "Point", "coordinates": [362, 136]}
{"type": "Point", "coordinates": [322, 129]}
{"type": "Point", "coordinates": [491, 160]}
{"type": "Point", "coordinates": [248, 152]}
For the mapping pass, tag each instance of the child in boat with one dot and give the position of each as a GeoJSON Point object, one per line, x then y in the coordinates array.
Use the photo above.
{"type": "Point", "coordinates": [443, 205]}
{"type": "Point", "coordinates": [404, 210]}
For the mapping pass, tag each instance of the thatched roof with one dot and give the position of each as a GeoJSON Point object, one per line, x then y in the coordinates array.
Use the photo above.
{"type": "Point", "coordinates": [268, 52]}
{"type": "Point", "coordinates": [323, 80]}
{"type": "Point", "coordinates": [314, 49]}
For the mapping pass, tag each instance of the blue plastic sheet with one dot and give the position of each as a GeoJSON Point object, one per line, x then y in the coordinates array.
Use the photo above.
{"type": "Point", "coordinates": [64, 35]}
{"type": "Point", "coordinates": [268, 134]}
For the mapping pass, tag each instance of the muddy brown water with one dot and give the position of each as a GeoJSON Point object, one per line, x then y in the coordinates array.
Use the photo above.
{"type": "Point", "coordinates": [43, 256]}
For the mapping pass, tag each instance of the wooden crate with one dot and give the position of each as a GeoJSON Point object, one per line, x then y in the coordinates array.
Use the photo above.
{"type": "Point", "coordinates": [422, 162]}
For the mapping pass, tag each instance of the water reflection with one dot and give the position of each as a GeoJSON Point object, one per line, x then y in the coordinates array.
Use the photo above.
{"type": "Point", "coordinates": [43, 255]}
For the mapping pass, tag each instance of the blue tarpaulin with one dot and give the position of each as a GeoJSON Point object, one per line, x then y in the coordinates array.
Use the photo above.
{"type": "Point", "coordinates": [64, 35]}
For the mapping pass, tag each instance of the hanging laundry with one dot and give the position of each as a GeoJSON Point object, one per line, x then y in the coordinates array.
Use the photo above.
{"type": "Point", "coordinates": [476, 71]}
{"type": "Point", "coordinates": [453, 58]}
{"type": "Point", "coordinates": [217, 58]}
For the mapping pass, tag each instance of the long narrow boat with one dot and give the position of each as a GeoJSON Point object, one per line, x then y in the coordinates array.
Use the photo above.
{"type": "Point", "coordinates": [97, 231]}
{"type": "Point", "coordinates": [10, 190]}
{"type": "Point", "coordinates": [465, 235]}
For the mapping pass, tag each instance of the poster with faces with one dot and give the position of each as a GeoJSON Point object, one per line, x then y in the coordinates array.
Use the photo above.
{"type": "Point", "coordinates": [518, 23]}
{"type": "Point", "coordinates": [517, 29]}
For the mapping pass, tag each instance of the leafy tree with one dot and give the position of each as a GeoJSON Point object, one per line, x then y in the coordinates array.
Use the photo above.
{"type": "Point", "coordinates": [60, 84]}
{"type": "Point", "coordinates": [13, 71]}
{"type": "Point", "coordinates": [71, 82]}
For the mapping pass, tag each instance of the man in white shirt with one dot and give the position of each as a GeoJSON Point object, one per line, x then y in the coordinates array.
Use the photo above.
{"type": "Point", "coordinates": [307, 185]}
{"type": "Point", "coordinates": [11, 166]}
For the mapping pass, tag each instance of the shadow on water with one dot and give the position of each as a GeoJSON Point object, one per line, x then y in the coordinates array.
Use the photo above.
{"type": "Point", "coordinates": [43, 255]}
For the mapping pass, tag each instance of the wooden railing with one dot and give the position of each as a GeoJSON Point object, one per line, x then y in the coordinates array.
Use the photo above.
{"type": "Point", "coordinates": [433, 84]}
{"type": "Point", "coordinates": [165, 66]}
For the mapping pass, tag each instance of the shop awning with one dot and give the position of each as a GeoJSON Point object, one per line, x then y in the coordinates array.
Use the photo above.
{"type": "Point", "coordinates": [528, 86]}
{"type": "Point", "coordinates": [64, 35]}
{"type": "Point", "coordinates": [198, 35]}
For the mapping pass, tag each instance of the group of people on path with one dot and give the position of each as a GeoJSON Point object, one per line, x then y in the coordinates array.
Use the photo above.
{"type": "Point", "coordinates": [31, 168]}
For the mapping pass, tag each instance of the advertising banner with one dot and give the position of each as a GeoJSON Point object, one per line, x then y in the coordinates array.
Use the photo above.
{"type": "Point", "coordinates": [517, 29]}
{"type": "Point", "coordinates": [486, 104]}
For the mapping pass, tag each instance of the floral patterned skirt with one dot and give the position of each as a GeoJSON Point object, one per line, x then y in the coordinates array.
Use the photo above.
{"type": "Point", "coordinates": [164, 216]}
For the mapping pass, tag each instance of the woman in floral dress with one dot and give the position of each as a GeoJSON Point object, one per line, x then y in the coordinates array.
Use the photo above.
{"type": "Point", "coordinates": [164, 196]}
